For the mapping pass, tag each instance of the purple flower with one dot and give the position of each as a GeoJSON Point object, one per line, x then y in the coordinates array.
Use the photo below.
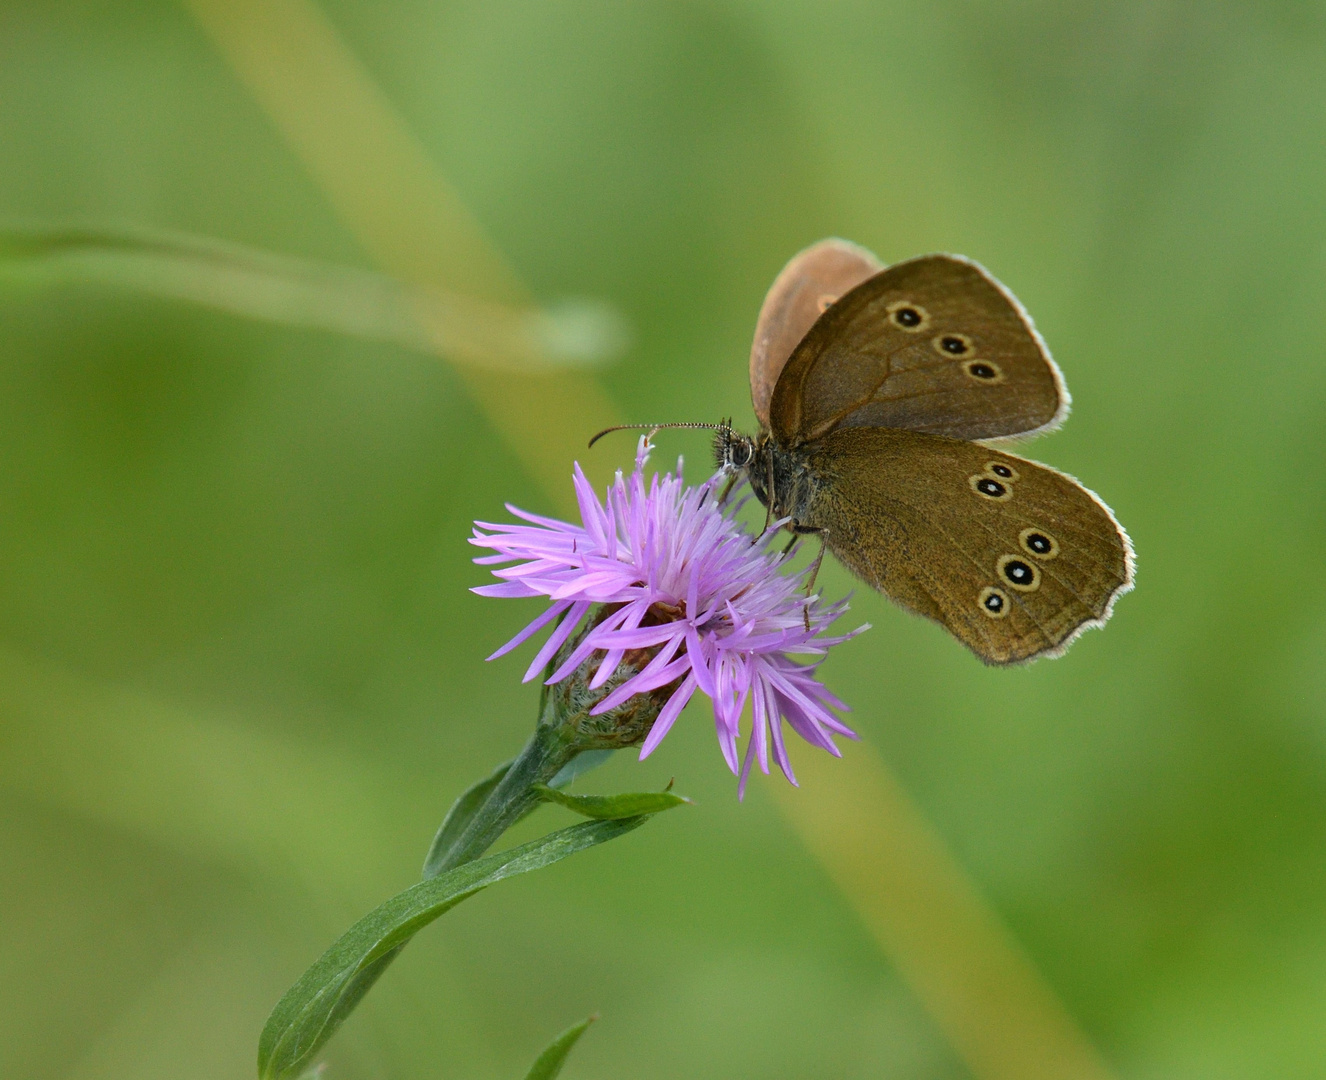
{"type": "Point", "coordinates": [685, 579]}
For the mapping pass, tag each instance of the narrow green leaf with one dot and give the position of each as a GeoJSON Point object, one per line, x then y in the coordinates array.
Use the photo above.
{"type": "Point", "coordinates": [318, 295]}
{"type": "Point", "coordinates": [609, 807]}
{"type": "Point", "coordinates": [550, 1062]}
{"type": "Point", "coordinates": [461, 813]}
{"type": "Point", "coordinates": [311, 1010]}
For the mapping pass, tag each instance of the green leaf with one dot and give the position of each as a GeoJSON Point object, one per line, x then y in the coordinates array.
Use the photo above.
{"type": "Point", "coordinates": [609, 807]}
{"type": "Point", "coordinates": [318, 295]}
{"type": "Point", "coordinates": [311, 1010]}
{"type": "Point", "coordinates": [579, 765]}
{"type": "Point", "coordinates": [550, 1062]}
{"type": "Point", "coordinates": [461, 813]}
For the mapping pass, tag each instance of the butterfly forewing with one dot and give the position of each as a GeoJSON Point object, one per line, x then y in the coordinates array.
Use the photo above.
{"type": "Point", "coordinates": [1013, 558]}
{"type": "Point", "coordinates": [812, 281]}
{"type": "Point", "coordinates": [934, 345]}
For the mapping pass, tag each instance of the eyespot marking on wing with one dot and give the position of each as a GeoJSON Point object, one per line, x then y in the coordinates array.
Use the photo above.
{"type": "Point", "coordinates": [984, 371]}
{"type": "Point", "coordinates": [952, 344]}
{"type": "Point", "coordinates": [826, 301]}
{"type": "Point", "coordinates": [907, 316]}
{"type": "Point", "coordinates": [990, 488]}
{"type": "Point", "coordinates": [1038, 542]}
{"type": "Point", "coordinates": [1022, 575]}
{"type": "Point", "coordinates": [1003, 471]}
{"type": "Point", "coordinates": [993, 602]}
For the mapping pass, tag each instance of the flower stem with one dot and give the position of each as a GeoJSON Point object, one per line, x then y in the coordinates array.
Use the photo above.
{"type": "Point", "coordinates": [548, 751]}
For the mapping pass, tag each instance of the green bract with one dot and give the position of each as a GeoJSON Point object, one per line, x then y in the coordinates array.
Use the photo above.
{"type": "Point", "coordinates": [611, 807]}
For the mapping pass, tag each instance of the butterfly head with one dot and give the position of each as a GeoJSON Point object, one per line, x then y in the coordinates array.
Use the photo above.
{"type": "Point", "coordinates": [733, 451]}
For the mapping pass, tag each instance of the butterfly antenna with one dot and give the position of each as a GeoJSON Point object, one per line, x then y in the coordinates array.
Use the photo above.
{"type": "Point", "coordinates": [652, 428]}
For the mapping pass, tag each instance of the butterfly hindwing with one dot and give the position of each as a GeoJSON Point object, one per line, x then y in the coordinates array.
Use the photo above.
{"type": "Point", "coordinates": [1012, 557]}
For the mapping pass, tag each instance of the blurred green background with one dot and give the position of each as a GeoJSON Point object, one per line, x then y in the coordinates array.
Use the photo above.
{"type": "Point", "coordinates": [241, 677]}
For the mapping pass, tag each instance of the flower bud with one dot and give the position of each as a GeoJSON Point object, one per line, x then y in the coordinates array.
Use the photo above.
{"type": "Point", "coordinates": [571, 701]}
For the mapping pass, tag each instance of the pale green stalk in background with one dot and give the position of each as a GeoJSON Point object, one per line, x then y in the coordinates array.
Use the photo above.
{"type": "Point", "coordinates": [318, 296]}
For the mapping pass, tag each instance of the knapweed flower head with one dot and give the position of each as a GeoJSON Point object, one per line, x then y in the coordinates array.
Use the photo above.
{"type": "Point", "coordinates": [672, 572]}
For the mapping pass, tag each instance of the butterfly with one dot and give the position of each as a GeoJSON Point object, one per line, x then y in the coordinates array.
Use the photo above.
{"type": "Point", "coordinates": [882, 395]}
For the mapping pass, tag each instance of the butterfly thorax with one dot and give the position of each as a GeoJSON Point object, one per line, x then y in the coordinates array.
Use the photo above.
{"type": "Point", "coordinates": [773, 472]}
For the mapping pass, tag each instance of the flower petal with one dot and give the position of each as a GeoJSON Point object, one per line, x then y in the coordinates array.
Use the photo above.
{"type": "Point", "coordinates": [745, 770]}
{"type": "Point", "coordinates": [667, 717]}
{"type": "Point", "coordinates": [506, 590]}
{"type": "Point", "coordinates": [650, 679]}
{"type": "Point", "coordinates": [582, 652]}
{"type": "Point", "coordinates": [704, 678]}
{"type": "Point", "coordinates": [556, 639]}
{"type": "Point", "coordinates": [532, 629]}
{"type": "Point", "coordinates": [780, 753]}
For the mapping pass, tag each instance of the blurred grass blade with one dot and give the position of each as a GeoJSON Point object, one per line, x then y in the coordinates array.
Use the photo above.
{"type": "Point", "coordinates": [611, 807]}
{"type": "Point", "coordinates": [317, 295]}
{"type": "Point", "coordinates": [461, 813]}
{"type": "Point", "coordinates": [550, 1062]}
{"type": "Point", "coordinates": [311, 1010]}
{"type": "Point", "coordinates": [998, 1011]}
{"type": "Point", "coordinates": [389, 192]}
{"type": "Point", "coordinates": [358, 149]}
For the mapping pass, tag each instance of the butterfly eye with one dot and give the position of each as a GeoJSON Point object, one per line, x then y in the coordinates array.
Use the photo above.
{"type": "Point", "coordinates": [908, 316]}
{"type": "Point", "coordinates": [1002, 470]}
{"type": "Point", "coordinates": [1019, 573]}
{"type": "Point", "coordinates": [952, 344]}
{"type": "Point", "coordinates": [994, 602]}
{"type": "Point", "coordinates": [1039, 543]}
{"type": "Point", "coordinates": [983, 371]}
{"type": "Point", "coordinates": [990, 488]}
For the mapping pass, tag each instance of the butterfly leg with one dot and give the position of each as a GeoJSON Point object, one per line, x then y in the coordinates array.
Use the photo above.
{"type": "Point", "coordinates": [806, 530]}
{"type": "Point", "coordinates": [727, 488]}
{"type": "Point", "coordinates": [809, 530]}
{"type": "Point", "coordinates": [770, 490]}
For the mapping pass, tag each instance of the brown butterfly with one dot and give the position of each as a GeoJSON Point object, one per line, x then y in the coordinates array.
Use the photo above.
{"type": "Point", "coordinates": [878, 393]}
